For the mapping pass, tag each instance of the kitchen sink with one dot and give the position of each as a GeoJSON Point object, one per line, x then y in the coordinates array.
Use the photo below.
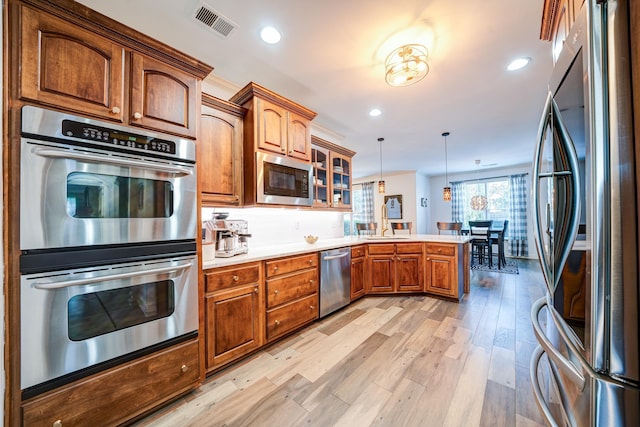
{"type": "Point", "coordinates": [384, 237]}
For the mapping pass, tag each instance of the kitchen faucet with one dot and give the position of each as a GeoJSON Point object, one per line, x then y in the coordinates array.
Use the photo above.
{"type": "Point", "coordinates": [385, 220]}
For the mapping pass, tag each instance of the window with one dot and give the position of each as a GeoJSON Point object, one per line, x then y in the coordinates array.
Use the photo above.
{"type": "Point", "coordinates": [497, 193]}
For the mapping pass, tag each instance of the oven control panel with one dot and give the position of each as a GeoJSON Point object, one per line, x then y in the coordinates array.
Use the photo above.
{"type": "Point", "coordinates": [117, 138]}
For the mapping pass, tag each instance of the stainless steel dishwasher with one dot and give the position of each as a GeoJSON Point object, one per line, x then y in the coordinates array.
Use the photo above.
{"type": "Point", "coordinates": [335, 280]}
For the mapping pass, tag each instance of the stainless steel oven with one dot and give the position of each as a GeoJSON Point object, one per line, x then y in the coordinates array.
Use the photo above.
{"type": "Point", "coordinates": [76, 319]}
{"type": "Point", "coordinates": [86, 182]}
{"type": "Point", "coordinates": [283, 181]}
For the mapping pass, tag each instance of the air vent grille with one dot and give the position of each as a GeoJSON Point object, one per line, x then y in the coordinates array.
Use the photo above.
{"type": "Point", "coordinates": [221, 25]}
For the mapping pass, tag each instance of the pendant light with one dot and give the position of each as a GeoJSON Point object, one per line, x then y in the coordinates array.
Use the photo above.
{"type": "Point", "coordinates": [381, 186]}
{"type": "Point", "coordinates": [479, 201]}
{"type": "Point", "coordinates": [446, 191]}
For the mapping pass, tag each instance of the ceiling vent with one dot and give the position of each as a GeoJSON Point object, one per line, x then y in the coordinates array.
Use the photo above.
{"type": "Point", "coordinates": [215, 21]}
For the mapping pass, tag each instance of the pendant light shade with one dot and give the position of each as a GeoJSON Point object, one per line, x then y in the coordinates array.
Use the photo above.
{"type": "Point", "coordinates": [381, 185]}
{"type": "Point", "coordinates": [479, 202]}
{"type": "Point", "coordinates": [446, 191]}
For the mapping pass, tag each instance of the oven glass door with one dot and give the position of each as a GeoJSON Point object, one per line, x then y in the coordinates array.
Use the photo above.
{"type": "Point", "coordinates": [75, 197]}
{"type": "Point", "coordinates": [75, 319]}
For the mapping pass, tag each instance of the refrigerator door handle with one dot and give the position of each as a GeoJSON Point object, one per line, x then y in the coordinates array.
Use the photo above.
{"type": "Point", "coordinates": [537, 390]}
{"type": "Point", "coordinates": [553, 353]}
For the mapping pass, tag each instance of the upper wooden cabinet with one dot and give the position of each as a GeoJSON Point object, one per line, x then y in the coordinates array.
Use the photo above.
{"type": "Point", "coordinates": [332, 166]}
{"type": "Point", "coordinates": [274, 123]}
{"type": "Point", "coordinates": [219, 151]}
{"type": "Point", "coordinates": [557, 18]}
{"type": "Point", "coordinates": [67, 59]}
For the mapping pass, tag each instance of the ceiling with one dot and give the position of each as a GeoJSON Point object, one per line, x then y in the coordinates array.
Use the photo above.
{"type": "Point", "coordinates": [331, 60]}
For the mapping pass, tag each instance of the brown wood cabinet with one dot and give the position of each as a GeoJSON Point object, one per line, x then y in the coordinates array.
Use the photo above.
{"type": "Point", "coordinates": [395, 267]}
{"type": "Point", "coordinates": [115, 396]}
{"type": "Point", "coordinates": [332, 166]}
{"type": "Point", "coordinates": [219, 150]}
{"type": "Point", "coordinates": [292, 293]}
{"type": "Point", "coordinates": [234, 313]}
{"type": "Point", "coordinates": [74, 68]}
{"type": "Point", "coordinates": [444, 267]}
{"type": "Point", "coordinates": [557, 18]}
{"type": "Point", "coordinates": [358, 262]}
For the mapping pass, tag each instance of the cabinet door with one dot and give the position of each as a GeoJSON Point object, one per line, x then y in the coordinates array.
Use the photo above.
{"type": "Point", "coordinates": [68, 67]}
{"type": "Point", "coordinates": [219, 158]}
{"type": "Point", "coordinates": [340, 181]}
{"type": "Point", "coordinates": [441, 275]}
{"type": "Point", "coordinates": [298, 137]}
{"type": "Point", "coordinates": [272, 127]}
{"type": "Point", "coordinates": [233, 324]}
{"type": "Point", "coordinates": [409, 274]}
{"type": "Point", "coordinates": [357, 278]}
{"type": "Point", "coordinates": [321, 177]}
{"type": "Point", "coordinates": [163, 98]}
{"type": "Point", "coordinates": [380, 274]}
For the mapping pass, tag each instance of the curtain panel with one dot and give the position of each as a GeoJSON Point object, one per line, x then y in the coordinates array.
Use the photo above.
{"type": "Point", "coordinates": [457, 201]}
{"type": "Point", "coordinates": [367, 197]}
{"type": "Point", "coordinates": [517, 232]}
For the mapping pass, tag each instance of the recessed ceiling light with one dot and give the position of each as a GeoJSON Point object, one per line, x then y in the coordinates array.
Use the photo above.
{"type": "Point", "coordinates": [375, 112]}
{"type": "Point", "coordinates": [516, 64]}
{"type": "Point", "coordinates": [270, 35]}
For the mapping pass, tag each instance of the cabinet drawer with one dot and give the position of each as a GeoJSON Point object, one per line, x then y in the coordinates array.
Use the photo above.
{"type": "Point", "coordinates": [289, 288]}
{"type": "Point", "coordinates": [357, 251]}
{"type": "Point", "coordinates": [409, 248]}
{"type": "Point", "coordinates": [382, 249]}
{"type": "Point", "coordinates": [222, 278]}
{"type": "Point", "coordinates": [290, 264]}
{"type": "Point", "coordinates": [117, 395]}
{"type": "Point", "coordinates": [440, 249]}
{"type": "Point", "coordinates": [290, 316]}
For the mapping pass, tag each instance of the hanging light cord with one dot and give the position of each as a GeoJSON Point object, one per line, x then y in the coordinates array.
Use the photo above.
{"type": "Point", "coordinates": [446, 171]}
{"type": "Point", "coordinates": [380, 139]}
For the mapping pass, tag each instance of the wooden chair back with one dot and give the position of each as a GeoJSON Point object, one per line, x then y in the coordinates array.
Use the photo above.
{"type": "Point", "coordinates": [455, 227]}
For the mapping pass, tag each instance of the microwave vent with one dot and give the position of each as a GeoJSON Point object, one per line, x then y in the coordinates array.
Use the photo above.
{"type": "Point", "coordinates": [215, 21]}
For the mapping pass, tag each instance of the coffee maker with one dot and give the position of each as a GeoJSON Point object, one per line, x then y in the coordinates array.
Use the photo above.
{"type": "Point", "coordinates": [229, 236]}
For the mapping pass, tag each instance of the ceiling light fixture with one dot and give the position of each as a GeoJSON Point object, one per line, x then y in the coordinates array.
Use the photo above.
{"type": "Point", "coordinates": [375, 112]}
{"type": "Point", "coordinates": [270, 35]}
{"type": "Point", "coordinates": [446, 191]}
{"type": "Point", "coordinates": [519, 63]}
{"type": "Point", "coordinates": [381, 186]}
{"type": "Point", "coordinates": [406, 65]}
{"type": "Point", "coordinates": [479, 201]}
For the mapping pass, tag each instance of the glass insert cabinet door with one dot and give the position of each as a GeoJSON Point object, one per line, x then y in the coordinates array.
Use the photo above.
{"type": "Point", "coordinates": [340, 180]}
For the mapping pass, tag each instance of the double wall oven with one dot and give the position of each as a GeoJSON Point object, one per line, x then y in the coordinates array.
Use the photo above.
{"type": "Point", "coordinates": [108, 251]}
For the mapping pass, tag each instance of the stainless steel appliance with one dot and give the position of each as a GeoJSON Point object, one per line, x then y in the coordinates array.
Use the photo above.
{"type": "Point", "coordinates": [229, 236]}
{"type": "Point", "coordinates": [108, 238]}
{"type": "Point", "coordinates": [335, 280]}
{"type": "Point", "coordinates": [584, 172]}
{"type": "Point", "coordinates": [283, 180]}
{"type": "Point", "coordinates": [88, 182]}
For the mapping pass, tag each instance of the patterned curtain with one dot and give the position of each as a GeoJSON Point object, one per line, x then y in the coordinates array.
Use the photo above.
{"type": "Point", "coordinates": [367, 196]}
{"type": "Point", "coordinates": [457, 201]}
{"type": "Point", "coordinates": [517, 230]}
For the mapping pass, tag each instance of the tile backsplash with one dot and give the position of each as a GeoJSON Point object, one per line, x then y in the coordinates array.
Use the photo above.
{"type": "Point", "coordinates": [274, 226]}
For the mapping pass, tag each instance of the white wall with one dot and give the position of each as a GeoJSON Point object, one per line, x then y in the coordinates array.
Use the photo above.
{"type": "Point", "coordinates": [423, 214]}
{"type": "Point", "coordinates": [441, 210]}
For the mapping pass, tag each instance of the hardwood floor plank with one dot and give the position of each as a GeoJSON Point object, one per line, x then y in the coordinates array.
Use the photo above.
{"type": "Point", "coordinates": [365, 408]}
{"type": "Point", "coordinates": [340, 321]}
{"type": "Point", "coordinates": [502, 367]}
{"type": "Point", "coordinates": [499, 406]}
{"type": "Point", "coordinates": [400, 409]}
{"type": "Point", "coordinates": [327, 412]}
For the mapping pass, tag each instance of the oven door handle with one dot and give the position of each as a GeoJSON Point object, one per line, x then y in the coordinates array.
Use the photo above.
{"type": "Point", "coordinates": [92, 158]}
{"type": "Point", "coordinates": [86, 281]}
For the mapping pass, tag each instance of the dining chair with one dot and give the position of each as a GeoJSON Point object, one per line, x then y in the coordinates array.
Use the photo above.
{"type": "Point", "coordinates": [497, 238]}
{"type": "Point", "coordinates": [481, 240]}
{"type": "Point", "coordinates": [366, 227]}
{"type": "Point", "coordinates": [401, 226]}
{"type": "Point", "coordinates": [455, 227]}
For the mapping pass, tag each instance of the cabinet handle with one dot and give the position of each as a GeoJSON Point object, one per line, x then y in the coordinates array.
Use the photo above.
{"type": "Point", "coordinates": [277, 322]}
{"type": "Point", "coordinates": [275, 268]}
{"type": "Point", "coordinates": [311, 281]}
{"type": "Point", "coordinates": [290, 151]}
{"type": "Point", "coordinates": [256, 290]}
{"type": "Point", "coordinates": [312, 307]}
{"type": "Point", "coordinates": [310, 262]}
{"type": "Point", "coordinates": [276, 292]}
{"type": "Point", "coordinates": [236, 278]}
{"type": "Point", "coordinates": [184, 368]}
{"type": "Point", "coordinates": [115, 110]}
{"type": "Point", "coordinates": [57, 423]}
{"type": "Point", "coordinates": [137, 115]}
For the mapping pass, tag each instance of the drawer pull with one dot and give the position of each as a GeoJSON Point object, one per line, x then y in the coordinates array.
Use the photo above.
{"type": "Point", "coordinates": [311, 281]}
{"type": "Point", "coordinates": [256, 290]}
{"type": "Point", "coordinates": [275, 268]}
{"type": "Point", "coordinates": [184, 368]}
{"type": "Point", "coordinates": [276, 292]}
{"type": "Point", "coordinates": [57, 423]}
{"type": "Point", "coordinates": [114, 110]}
{"type": "Point", "coordinates": [310, 262]}
{"type": "Point", "coordinates": [137, 115]}
{"type": "Point", "coordinates": [236, 278]}
{"type": "Point", "coordinates": [312, 307]}
{"type": "Point", "coordinates": [439, 250]}
{"type": "Point", "coordinates": [277, 322]}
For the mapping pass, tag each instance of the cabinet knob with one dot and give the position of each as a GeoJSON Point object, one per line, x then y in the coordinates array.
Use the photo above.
{"type": "Point", "coordinates": [115, 110]}
{"type": "Point", "coordinates": [310, 280]}
{"type": "Point", "coordinates": [312, 307]}
{"type": "Point", "coordinates": [276, 292]}
{"type": "Point", "coordinates": [256, 290]}
{"type": "Point", "coordinates": [310, 262]}
{"type": "Point", "coordinates": [275, 268]}
{"type": "Point", "coordinates": [277, 322]}
{"type": "Point", "coordinates": [137, 115]}
{"type": "Point", "coordinates": [290, 151]}
{"type": "Point", "coordinates": [184, 368]}
{"type": "Point", "coordinates": [57, 423]}
{"type": "Point", "coordinates": [236, 278]}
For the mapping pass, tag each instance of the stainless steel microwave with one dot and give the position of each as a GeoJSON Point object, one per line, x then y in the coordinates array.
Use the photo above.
{"type": "Point", "coordinates": [283, 180]}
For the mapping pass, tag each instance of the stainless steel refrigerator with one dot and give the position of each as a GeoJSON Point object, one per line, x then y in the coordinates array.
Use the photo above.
{"type": "Point", "coordinates": [585, 371]}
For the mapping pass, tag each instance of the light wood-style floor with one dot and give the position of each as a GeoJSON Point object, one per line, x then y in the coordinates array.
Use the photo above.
{"type": "Point", "coordinates": [387, 361]}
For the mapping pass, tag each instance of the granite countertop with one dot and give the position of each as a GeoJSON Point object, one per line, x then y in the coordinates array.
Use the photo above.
{"type": "Point", "coordinates": [275, 251]}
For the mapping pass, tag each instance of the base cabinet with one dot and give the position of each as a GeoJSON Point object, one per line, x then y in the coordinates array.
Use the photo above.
{"type": "Point", "coordinates": [357, 271]}
{"type": "Point", "coordinates": [395, 268]}
{"type": "Point", "coordinates": [120, 394]}
{"type": "Point", "coordinates": [234, 313]}
{"type": "Point", "coordinates": [444, 269]}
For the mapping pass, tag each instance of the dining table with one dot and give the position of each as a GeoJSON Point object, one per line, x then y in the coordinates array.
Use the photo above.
{"type": "Point", "coordinates": [495, 232]}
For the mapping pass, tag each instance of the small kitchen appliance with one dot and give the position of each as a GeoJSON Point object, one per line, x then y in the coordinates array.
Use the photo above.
{"type": "Point", "coordinates": [230, 236]}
